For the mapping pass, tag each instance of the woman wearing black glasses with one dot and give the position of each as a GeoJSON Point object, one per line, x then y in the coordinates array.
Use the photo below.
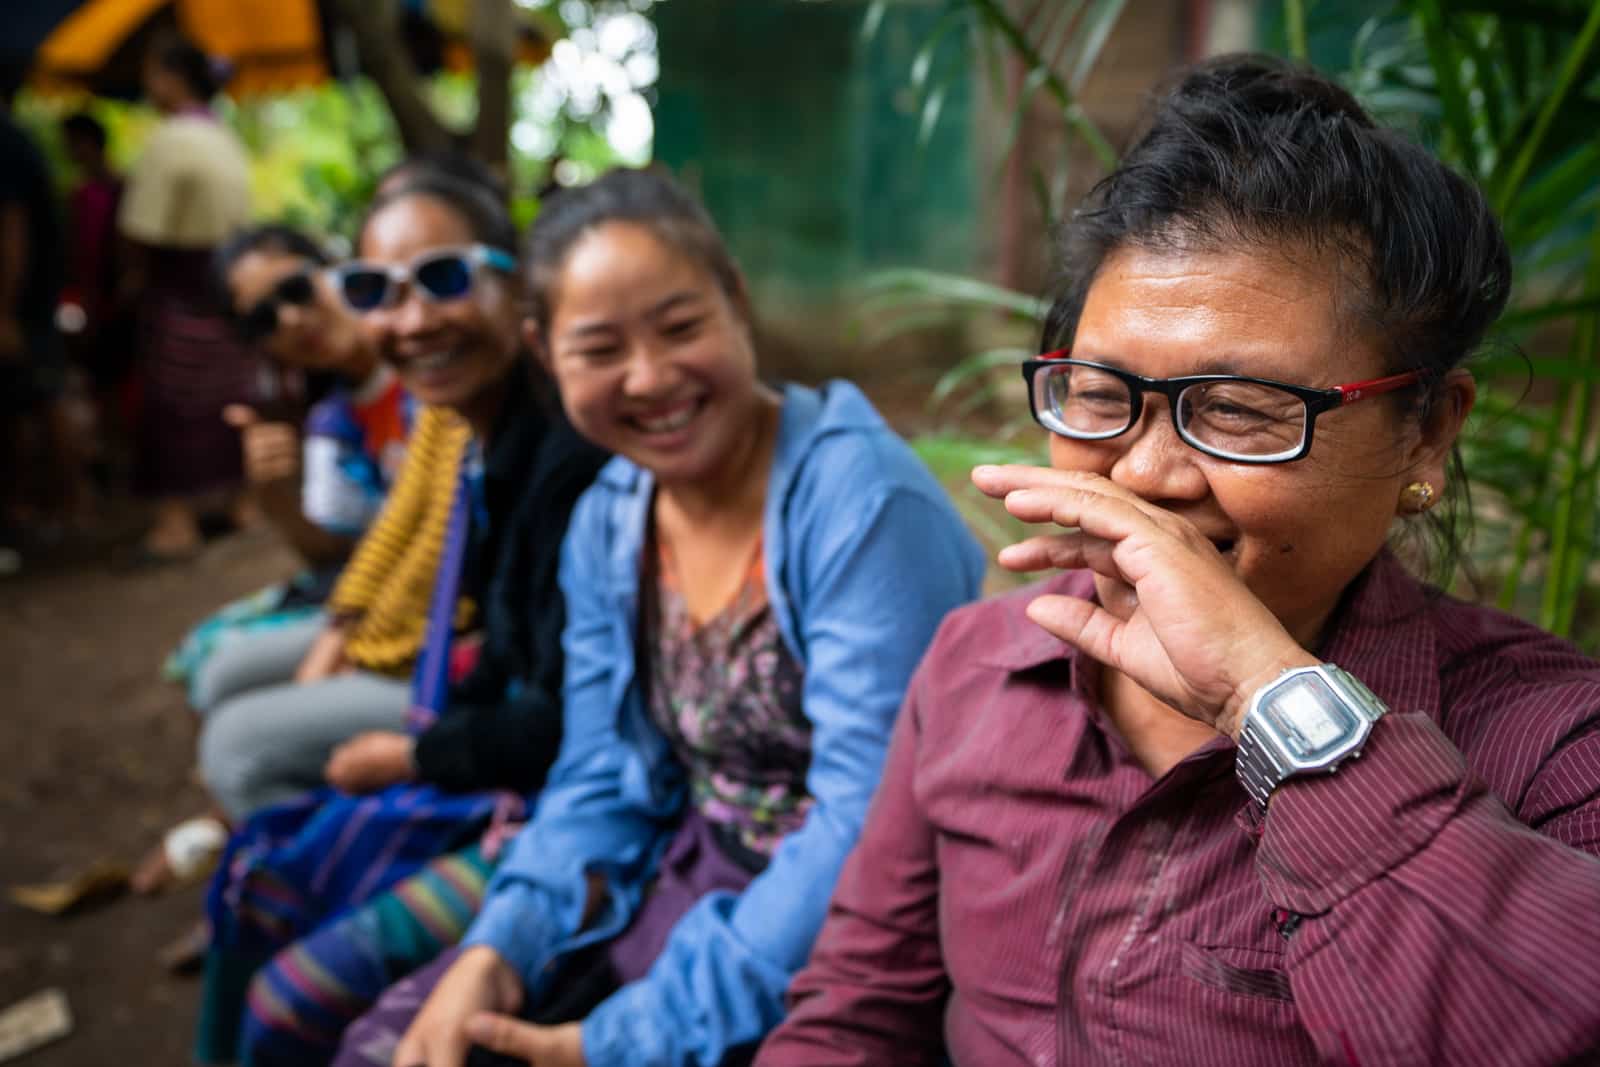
{"type": "Point", "coordinates": [439, 300]}
{"type": "Point", "coordinates": [1109, 828]}
{"type": "Point", "coordinates": [322, 492]}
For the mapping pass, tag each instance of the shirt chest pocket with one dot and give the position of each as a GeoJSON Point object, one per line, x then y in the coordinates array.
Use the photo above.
{"type": "Point", "coordinates": [1221, 956]}
{"type": "Point", "coordinates": [1245, 972]}
{"type": "Point", "coordinates": [1225, 935]}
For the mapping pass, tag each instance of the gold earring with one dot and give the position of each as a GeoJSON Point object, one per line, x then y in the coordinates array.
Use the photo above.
{"type": "Point", "coordinates": [1417, 497]}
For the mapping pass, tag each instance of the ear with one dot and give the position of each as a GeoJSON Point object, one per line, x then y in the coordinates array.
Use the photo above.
{"type": "Point", "coordinates": [535, 342]}
{"type": "Point", "coordinates": [1430, 457]}
{"type": "Point", "coordinates": [739, 298]}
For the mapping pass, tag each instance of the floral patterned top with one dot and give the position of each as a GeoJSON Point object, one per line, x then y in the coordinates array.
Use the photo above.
{"type": "Point", "coordinates": [727, 695]}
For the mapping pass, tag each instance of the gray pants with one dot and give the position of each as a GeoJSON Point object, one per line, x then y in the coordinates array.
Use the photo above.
{"type": "Point", "coordinates": [266, 738]}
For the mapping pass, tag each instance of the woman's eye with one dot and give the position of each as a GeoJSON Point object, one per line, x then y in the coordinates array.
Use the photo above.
{"type": "Point", "coordinates": [600, 354]}
{"type": "Point", "coordinates": [682, 328]}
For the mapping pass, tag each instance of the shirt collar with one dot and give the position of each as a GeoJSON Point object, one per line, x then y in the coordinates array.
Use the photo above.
{"type": "Point", "coordinates": [1383, 634]}
{"type": "Point", "coordinates": [1022, 644]}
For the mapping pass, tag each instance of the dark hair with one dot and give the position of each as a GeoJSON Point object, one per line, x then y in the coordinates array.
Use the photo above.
{"type": "Point", "coordinates": [457, 165]}
{"type": "Point", "coordinates": [647, 198]}
{"type": "Point", "coordinates": [1255, 152]}
{"type": "Point", "coordinates": [272, 237]}
{"type": "Point", "coordinates": [85, 127]}
{"type": "Point", "coordinates": [486, 215]}
{"type": "Point", "coordinates": [180, 56]}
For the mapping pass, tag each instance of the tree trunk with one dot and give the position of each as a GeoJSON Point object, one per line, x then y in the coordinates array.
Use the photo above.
{"type": "Point", "coordinates": [375, 25]}
{"type": "Point", "coordinates": [493, 37]}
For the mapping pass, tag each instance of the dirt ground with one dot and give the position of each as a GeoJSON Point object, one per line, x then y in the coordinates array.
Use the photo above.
{"type": "Point", "coordinates": [100, 751]}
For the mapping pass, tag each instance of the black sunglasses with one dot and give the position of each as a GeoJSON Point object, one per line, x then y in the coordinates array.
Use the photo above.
{"type": "Point", "coordinates": [261, 321]}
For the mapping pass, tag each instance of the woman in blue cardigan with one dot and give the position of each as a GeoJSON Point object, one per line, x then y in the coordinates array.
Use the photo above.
{"type": "Point", "coordinates": [749, 585]}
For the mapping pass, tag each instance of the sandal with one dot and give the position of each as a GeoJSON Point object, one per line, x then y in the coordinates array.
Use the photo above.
{"type": "Point", "coordinates": [187, 854]}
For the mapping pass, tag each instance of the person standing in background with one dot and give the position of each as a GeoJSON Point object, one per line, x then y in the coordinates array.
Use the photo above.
{"type": "Point", "coordinates": [31, 363]}
{"type": "Point", "coordinates": [189, 189]}
{"type": "Point", "coordinates": [99, 341]}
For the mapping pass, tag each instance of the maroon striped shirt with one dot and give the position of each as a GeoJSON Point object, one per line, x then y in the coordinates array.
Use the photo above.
{"type": "Point", "coordinates": [1025, 893]}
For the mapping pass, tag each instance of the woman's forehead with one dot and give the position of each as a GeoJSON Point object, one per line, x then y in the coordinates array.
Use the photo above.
{"type": "Point", "coordinates": [411, 225]}
{"type": "Point", "coordinates": [1172, 313]}
{"type": "Point", "coordinates": [261, 268]}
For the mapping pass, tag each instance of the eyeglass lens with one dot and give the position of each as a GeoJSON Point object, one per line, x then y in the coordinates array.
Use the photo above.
{"type": "Point", "coordinates": [446, 277]}
{"type": "Point", "coordinates": [261, 321]}
{"type": "Point", "coordinates": [1231, 418]}
{"type": "Point", "coordinates": [364, 288]}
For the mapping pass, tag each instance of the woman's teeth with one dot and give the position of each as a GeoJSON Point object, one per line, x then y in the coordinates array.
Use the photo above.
{"type": "Point", "coordinates": [433, 361]}
{"type": "Point", "coordinates": [673, 420]}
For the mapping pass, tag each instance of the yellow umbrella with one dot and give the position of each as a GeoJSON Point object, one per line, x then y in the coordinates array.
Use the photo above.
{"type": "Point", "coordinates": [272, 44]}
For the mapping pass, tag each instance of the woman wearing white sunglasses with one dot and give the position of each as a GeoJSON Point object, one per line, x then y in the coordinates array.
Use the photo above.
{"type": "Point", "coordinates": [438, 294]}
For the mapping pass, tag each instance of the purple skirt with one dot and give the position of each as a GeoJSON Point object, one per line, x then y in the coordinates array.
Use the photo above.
{"type": "Point", "coordinates": [191, 366]}
{"type": "Point", "coordinates": [693, 865]}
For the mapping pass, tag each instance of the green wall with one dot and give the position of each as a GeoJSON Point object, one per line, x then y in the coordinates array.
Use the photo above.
{"type": "Point", "coordinates": [801, 132]}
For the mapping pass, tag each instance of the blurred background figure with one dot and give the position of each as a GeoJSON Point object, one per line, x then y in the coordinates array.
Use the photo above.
{"type": "Point", "coordinates": [95, 327]}
{"type": "Point", "coordinates": [31, 360]}
{"type": "Point", "coordinates": [189, 189]}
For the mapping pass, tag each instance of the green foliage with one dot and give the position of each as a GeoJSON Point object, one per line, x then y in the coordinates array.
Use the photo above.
{"type": "Point", "coordinates": [1507, 93]}
{"type": "Point", "coordinates": [316, 154]}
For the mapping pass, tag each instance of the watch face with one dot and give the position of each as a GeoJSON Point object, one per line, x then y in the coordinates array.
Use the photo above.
{"type": "Point", "coordinates": [1309, 718]}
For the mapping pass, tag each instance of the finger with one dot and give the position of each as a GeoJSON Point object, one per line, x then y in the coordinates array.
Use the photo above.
{"type": "Point", "coordinates": [998, 481]}
{"type": "Point", "coordinates": [409, 1053]}
{"type": "Point", "coordinates": [1064, 551]}
{"type": "Point", "coordinates": [1097, 514]}
{"type": "Point", "coordinates": [1081, 623]}
{"type": "Point", "coordinates": [277, 433]}
{"type": "Point", "coordinates": [505, 1035]}
{"type": "Point", "coordinates": [274, 436]}
{"type": "Point", "coordinates": [278, 461]}
{"type": "Point", "coordinates": [274, 470]}
{"type": "Point", "coordinates": [240, 415]}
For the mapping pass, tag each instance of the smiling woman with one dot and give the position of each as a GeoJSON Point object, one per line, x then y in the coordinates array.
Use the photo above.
{"type": "Point", "coordinates": [749, 584]}
{"type": "Point", "coordinates": [1108, 826]}
{"type": "Point", "coordinates": [477, 518]}
{"type": "Point", "coordinates": [434, 286]}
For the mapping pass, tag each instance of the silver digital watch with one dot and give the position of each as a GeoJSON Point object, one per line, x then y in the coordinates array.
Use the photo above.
{"type": "Point", "coordinates": [1306, 721]}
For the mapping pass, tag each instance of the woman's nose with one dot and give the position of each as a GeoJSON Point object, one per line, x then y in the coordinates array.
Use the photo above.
{"type": "Point", "coordinates": [412, 313]}
{"type": "Point", "coordinates": [648, 374]}
{"type": "Point", "coordinates": [1156, 463]}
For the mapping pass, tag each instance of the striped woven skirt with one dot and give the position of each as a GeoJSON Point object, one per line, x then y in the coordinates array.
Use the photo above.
{"type": "Point", "coordinates": [298, 1005]}
{"type": "Point", "coordinates": [191, 366]}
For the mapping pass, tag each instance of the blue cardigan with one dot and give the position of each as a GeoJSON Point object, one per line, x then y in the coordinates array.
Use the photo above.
{"type": "Point", "coordinates": [864, 555]}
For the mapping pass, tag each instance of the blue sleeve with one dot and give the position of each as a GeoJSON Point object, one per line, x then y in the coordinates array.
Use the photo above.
{"type": "Point", "coordinates": [598, 811]}
{"type": "Point", "coordinates": [877, 574]}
